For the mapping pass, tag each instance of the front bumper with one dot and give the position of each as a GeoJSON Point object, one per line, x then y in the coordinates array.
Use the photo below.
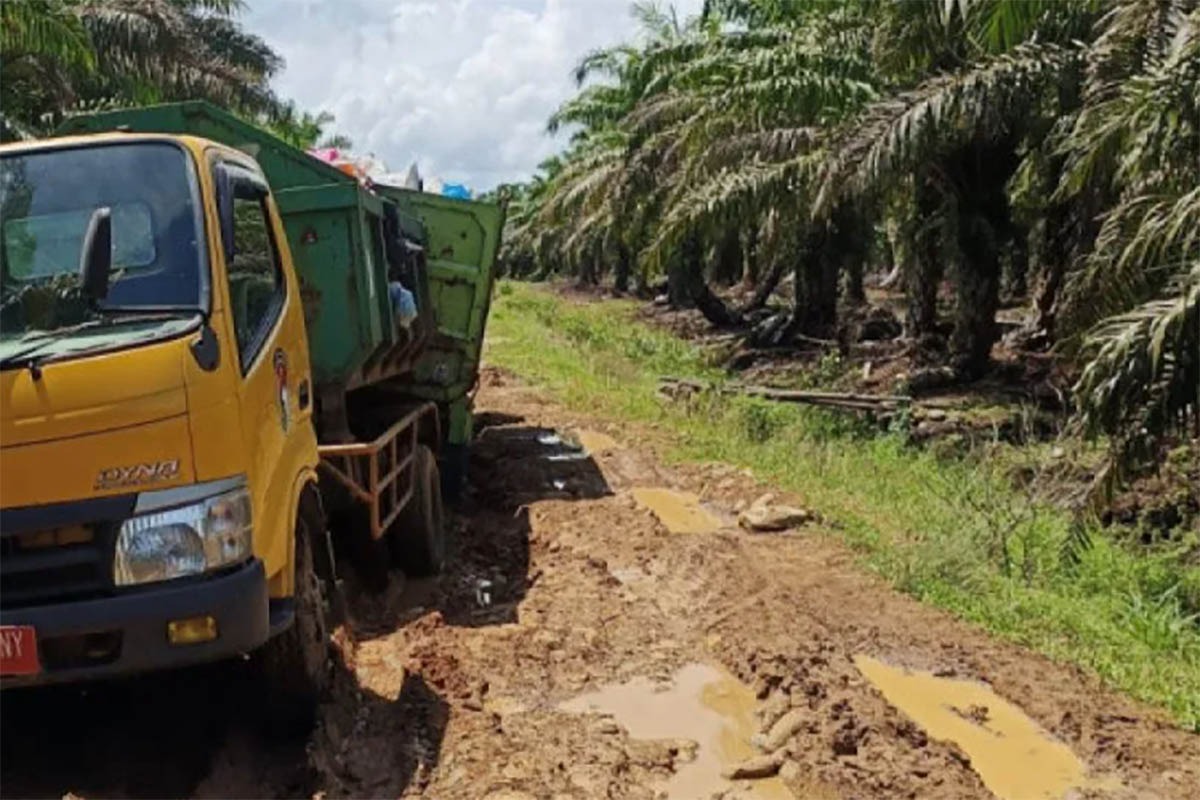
{"type": "Point", "coordinates": [127, 633]}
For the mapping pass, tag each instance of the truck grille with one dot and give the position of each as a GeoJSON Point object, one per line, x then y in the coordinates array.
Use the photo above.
{"type": "Point", "coordinates": [69, 563]}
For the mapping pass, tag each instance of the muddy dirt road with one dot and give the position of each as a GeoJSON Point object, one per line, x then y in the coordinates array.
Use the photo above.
{"type": "Point", "coordinates": [595, 639]}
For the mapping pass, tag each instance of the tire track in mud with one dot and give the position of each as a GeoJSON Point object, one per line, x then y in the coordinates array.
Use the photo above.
{"type": "Point", "coordinates": [565, 586]}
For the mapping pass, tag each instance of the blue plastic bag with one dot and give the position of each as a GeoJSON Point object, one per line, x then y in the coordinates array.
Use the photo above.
{"type": "Point", "coordinates": [404, 305]}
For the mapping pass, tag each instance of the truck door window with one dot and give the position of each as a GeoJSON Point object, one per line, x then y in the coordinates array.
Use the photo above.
{"type": "Point", "coordinates": [47, 197]}
{"type": "Point", "coordinates": [256, 282]}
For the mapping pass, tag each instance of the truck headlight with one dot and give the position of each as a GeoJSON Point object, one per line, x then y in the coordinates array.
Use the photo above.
{"type": "Point", "coordinates": [188, 540]}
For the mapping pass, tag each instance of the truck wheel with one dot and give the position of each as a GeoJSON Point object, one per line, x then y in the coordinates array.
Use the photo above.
{"type": "Point", "coordinates": [295, 664]}
{"type": "Point", "coordinates": [454, 463]}
{"type": "Point", "coordinates": [370, 557]}
{"type": "Point", "coordinates": [418, 537]}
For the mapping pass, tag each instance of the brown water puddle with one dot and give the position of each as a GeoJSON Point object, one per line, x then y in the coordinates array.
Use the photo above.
{"type": "Point", "coordinates": [680, 512]}
{"type": "Point", "coordinates": [596, 442]}
{"type": "Point", "coordinates": [702, 704]}
{"type": "Point", "coordinates": [1012, 755]}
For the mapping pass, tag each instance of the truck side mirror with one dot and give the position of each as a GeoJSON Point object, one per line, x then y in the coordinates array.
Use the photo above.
{"type": "Point", "coordinates": [224, 186]}
{"type": "Point", "coordinates": [95, 256]}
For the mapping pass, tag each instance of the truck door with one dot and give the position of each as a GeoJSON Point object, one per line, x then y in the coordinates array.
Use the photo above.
{"type": "Point", "coordinates": [267, 329]}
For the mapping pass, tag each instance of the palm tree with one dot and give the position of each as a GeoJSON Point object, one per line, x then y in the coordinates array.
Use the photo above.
{"type": "Point", "coordinates": [675, 118]}
{"type": "Point", "coordinates": [592, 198]}
{"type": "Point", "coordinates": [303, 129]}
{"type": "Point", "coordinates": [1055, 136]}
{"type": "Point", "coordinates": [63, 54]}
{"type": "Point", "coordinates": [40, 40]}
{"type": "Point", "coordinates": [1134, 301]}
{"type": "Point", "coordinates": [528, 247]}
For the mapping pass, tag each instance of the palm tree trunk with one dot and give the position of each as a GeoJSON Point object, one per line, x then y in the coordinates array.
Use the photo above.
{"type": "Point", "coordinates": [985, 225]}
{"type": "Point", "coordinates": [921, 284]}
{"type": "Point", "coordinates": [750, 256]}
{"type": "Point", "coordinates": [641, 280]}
{"type": "Point", "coordinates": [1046, 297]}
{"type": "Point", "coordinates": [712, 307]}
{"type": "Point", "coordinates": [855, 293]}
{"type": "Point", "coordinates": [678, 294]}
{"type": "Point", "coordinates": [896, 251]}
{"type": "Point", "coordinates": [728, 268]}
{"type": "Point", "coordinates": [763, 291]}
{"type": "Point", "coordinates": [925, 273]}
{"type": "Point", "coordinates": [622, 269]}
{"type": "Point", "coordinates": [587, 270]}
{"type": "Point", "coordinates": [978, 278]}
{"type": "Point", "coordinates": [852, 245]}
{"type": "Point", "coordinates": [1017, 287]}
{"type": "Point", "coordinates": [1052, 257]}
{"type": "Point", "coordinates": [814, 309]}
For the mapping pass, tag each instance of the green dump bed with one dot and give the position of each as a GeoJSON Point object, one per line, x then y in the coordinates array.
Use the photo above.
{"type": "Point", "coordinates": [335, 229]}
{"type": "Point", "coordinates": [462, 241]}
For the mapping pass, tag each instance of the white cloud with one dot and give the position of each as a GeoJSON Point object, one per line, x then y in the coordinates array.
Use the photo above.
{"type": "Point", "coordinates": [463, 87]}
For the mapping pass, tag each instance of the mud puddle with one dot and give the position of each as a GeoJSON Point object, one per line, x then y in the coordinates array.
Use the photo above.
{"type": "Point", "coordinates": [576, 445]}
{"type": "Point", "coordinates": [1012, 755]}
{"type": "Point", "coordinates": [680, 512]}
{"type": "Point", "coordinates": [596, 441]}
{"type": "Point", "coordinates": [703, 705]}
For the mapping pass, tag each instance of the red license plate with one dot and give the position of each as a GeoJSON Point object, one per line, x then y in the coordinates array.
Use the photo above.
{"type": "Point", "coordinates": [18, 650]}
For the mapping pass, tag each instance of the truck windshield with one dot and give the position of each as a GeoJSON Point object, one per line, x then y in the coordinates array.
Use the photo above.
{"type": "Point", "coordinates": [46, 200]}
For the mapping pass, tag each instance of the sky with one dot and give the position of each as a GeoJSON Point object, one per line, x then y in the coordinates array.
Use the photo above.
{"type": "Point", "coordinates": [462, 87]}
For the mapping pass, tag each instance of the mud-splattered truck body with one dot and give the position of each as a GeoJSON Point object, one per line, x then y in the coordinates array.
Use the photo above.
{"type": "Point", "coordinates": [202, 365]}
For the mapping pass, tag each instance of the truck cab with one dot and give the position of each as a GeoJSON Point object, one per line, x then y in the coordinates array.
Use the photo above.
{"type": "Point", "coordinates": [156, 433]}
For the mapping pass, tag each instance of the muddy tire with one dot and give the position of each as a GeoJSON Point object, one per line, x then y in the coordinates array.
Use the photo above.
{"type": "Point", "coordinates": [295, 665]}
{"type": "Point", "coordinates": [369, 557]}
{"type": "Point", "coordinates": [418, 537]}
{"type": "Point", "coordinates": [454, 465]}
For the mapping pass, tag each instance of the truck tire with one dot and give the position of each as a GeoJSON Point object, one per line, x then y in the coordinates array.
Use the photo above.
{"type": "Point", "coordinates": [418, 537]}
{"type": "Point", "coordinates": [454, 463]}
{"type": "Point", "coordinates": [295, 664]}
{"type": "Point", "coordinates": [369, 557]}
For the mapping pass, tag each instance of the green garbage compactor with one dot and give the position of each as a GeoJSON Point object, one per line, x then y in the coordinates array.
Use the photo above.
{"type": "Point", "coordinates": [461, 245]}
{"type": "Point", "coordinates": [348, 241]}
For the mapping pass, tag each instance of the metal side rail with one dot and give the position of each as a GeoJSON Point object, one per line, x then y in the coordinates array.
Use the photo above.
{"type": "Point", "coordinates": [379, 473]}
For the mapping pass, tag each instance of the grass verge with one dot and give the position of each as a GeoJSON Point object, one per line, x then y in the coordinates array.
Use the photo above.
{"type": "Point", "coordinates": [952, 532]}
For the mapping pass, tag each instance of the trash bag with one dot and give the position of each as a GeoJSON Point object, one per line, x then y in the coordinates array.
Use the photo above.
{"type": "Point", "coordinates": [365, 169]}
{"type": "Point", "coordinates": [404, 305]}
{"type": "Point", "coordinates": [329, 155]}
{"type": "Point", "coordinates": [412, 180]}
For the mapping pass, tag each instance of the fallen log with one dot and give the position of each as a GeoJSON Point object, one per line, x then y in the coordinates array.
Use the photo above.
{"type": "Point", "coordinates": [842, 400]}
{"type": "Point", "coordinates": [800, 337]}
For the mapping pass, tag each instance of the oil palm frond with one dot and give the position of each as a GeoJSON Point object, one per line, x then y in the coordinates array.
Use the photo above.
{"type": "Point", "coordinates": [897, 134]}
{"type": "Point", "coordinates": [1143, 243]}
{"type": "Point", "coordinates": [1144, 374]}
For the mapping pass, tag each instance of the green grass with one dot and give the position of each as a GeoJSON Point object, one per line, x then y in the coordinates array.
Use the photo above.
{"type": "Point", "coordinates": [955, 533]}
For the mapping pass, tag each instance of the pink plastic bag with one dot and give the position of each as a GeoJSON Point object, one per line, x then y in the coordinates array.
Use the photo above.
{"type": "Point", "coordinates": [327, 154]}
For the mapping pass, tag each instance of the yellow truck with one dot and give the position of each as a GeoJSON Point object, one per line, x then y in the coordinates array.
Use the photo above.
{"type": "Point", "coordinates": [203, 369]}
